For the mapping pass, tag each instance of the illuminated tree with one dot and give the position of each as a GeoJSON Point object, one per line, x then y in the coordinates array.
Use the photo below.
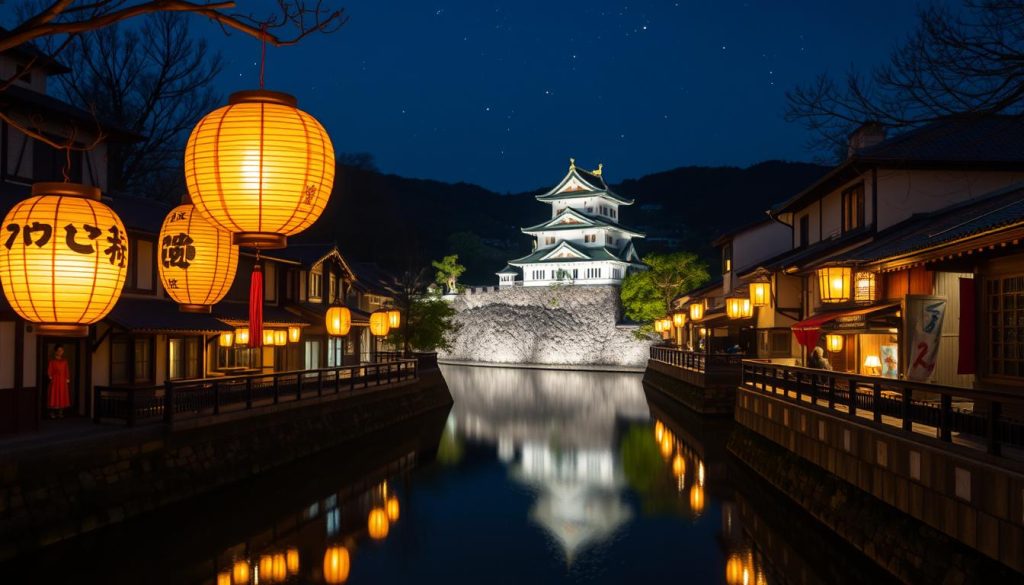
{"type": "Point", "coordinates": [647, 295]}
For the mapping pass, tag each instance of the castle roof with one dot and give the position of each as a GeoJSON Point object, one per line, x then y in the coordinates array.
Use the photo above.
{"type": "Point", "coordinates": [571, 218]}
{"type": "Point", "coordinates": [579, 183]}
{"type": "Point", "coordinates": [566, 251]}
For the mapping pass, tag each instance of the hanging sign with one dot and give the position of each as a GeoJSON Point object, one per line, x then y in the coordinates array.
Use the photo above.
{"type": "Point", "coordinates": [923, 316]}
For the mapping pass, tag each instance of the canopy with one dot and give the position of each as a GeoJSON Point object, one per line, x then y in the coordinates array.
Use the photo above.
{"type": "Point", "coordinates": [808, 331]}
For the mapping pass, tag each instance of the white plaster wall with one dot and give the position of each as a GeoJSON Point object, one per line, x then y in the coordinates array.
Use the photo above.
{"type": "Point", "coordinates": [759, 243]}
{"type": "Point", "coordinates": [568, 325]}
{"type": "Point", "coordinates": [832, 214]}
{"type": "Point", "coordinates": [903, 193]}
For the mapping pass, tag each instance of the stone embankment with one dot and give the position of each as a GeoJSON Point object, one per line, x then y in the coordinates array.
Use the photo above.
{"type": "Point", "coordinates": [558, 326]}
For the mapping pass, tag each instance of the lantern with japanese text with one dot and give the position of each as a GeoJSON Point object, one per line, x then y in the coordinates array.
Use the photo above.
{"type": "Point", "coordinates": [294, 334]}
{"type": "Point", "coordinates": [394, 318]}
{"type": "Point", "coordinates": [738, 308]}
{"type": "Point", "coordinates": [64, 258]}
{"type": "Point", "coordinates": [760, 293]}
{"type": "Point", "coordinates": [697, 311]}
{"type": "Point", "coordinates": [197, 260]}
{"type": "Point", "coordinates": [260, 168]}
{"type": "Point", "coordinates": [336, 565]}
{"type": "Point", "coordinates": [339, 321]}
{"type": "Point", "coordinates": [834, 284]}
{"type": "Point", "coordinates": [379, 325]}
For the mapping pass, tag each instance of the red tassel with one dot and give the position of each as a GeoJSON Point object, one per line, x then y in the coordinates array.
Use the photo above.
{"type": "Point", "coordinates": [256, 306]}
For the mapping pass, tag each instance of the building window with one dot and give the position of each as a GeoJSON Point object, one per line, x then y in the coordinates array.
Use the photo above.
{"type": "Point", "coordinates": [312, 355]}
{"type": "Point", "coordinates": [1004, 315]}
{"type": "Point", "coordinates": [184, 358]}
{"type": "Point", "coordinates": [335, 352]}
{"type": "Point", "coordinates": [238, 356]}
{"type": "Point", "coordinates": [853, 208]}
{"type": "Point", "coordinates": [804, 234]}
{"type": "Point", "coordinates": [613, 212]}
{"type": "Point", "coordinates": [726, 258]}
{"type": "Point", "coordinates": [316, 285]}
{"type": "Point", "coordinates": [139, 277]}
{"type": "Point", "coordinates": [589, 238]}
{"type": "Point", "coordinates": [593, 273]}
{"type": "Point", "coordinates": [131, 360]}
{"type": "Point", "coordinates": [549, 240]}
{"type": "Point", "coordinates": [609, 240]}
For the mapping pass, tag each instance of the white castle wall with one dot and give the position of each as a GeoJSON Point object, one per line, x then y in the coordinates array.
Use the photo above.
{"type": "Point", "coordinates": [568, 325]}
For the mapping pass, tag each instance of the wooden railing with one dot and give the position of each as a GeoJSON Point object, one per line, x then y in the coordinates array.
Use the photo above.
{"type": "Point", "coordinates": [178, 399]}
{"type": "Point", "coordinates": [694, 360]}
{"type": "Point", "coordinates": [976, 416]}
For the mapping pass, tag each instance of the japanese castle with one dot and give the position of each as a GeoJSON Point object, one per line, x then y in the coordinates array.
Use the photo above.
{"type": "Point", "coordinates": [583, 242]}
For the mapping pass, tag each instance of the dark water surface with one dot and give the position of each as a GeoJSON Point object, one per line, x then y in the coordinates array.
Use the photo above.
{"type": "Point", "coordinates": [533, 477]}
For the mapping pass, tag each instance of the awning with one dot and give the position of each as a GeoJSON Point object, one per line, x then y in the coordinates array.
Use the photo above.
{"type": "Point", "coordinates": [236, 313]}
{"type": "Point", "coordinates": [155, 315]}
{"type": "Point", "coordinates": [808, 331]}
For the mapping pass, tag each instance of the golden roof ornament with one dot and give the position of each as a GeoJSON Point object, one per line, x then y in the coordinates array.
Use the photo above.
{"type": "Point", "coordinates": [572, 164]}
{"type": "Point", "coordinates": [598, 170]}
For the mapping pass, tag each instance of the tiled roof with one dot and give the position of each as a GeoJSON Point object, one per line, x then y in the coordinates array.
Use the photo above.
{"type": "Point", "coordinates": [704, 288]}
{"type": "Point", "coordinates": [963, 220]}
{"type": "Point", "coordinates": [801, 257]}
{"type": "Point", "coordinates": [152, 315]}
{"type": "Point", "coordinates": [594, 220]}
{"type": "Point", "coordinates": [508, 270]}
{"type": "Point", "coordinates": [272, 314]}
{"type": "Point", "coordinates": [599, 253]}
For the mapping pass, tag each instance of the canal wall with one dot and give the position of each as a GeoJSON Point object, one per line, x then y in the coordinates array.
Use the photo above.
{"type": "Point", "coordinates": [50, 492]}
{"type": "Point", "coordinates": [568, 325]}
{"type": "Point", "coordinates": [707, 393]}
{"type": "Point", "coordinates": [853, 477]}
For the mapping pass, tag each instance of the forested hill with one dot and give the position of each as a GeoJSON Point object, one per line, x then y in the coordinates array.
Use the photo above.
{"type": "Point", "coordinates": [404, 223]}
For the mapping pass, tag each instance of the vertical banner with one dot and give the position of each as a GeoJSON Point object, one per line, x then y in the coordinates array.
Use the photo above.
{"type": "Point", "coordinates": [923, 319]}
{"type": "Point", "coordinates": [966, 361]}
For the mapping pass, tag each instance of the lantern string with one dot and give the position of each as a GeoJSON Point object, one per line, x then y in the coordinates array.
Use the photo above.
{"type": "Point", "coordinates": [263, 54]}
{"type": "Point", "coordinates": [66, 171]}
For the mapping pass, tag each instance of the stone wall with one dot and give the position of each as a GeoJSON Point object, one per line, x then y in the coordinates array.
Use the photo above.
{"type": "Point", "coordinates": [52, 492]}
{"type": "Point", "coordinates": [568, 325]}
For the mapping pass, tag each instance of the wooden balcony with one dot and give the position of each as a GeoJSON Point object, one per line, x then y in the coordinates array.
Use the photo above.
{"type": "Point", "coordinates": [704, 382]}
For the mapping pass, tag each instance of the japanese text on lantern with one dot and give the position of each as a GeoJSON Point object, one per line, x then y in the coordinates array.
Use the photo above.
{"type": "Point", "coordinates": [39, 234]}
{"type": "Point", "coordinates": [177, 250]}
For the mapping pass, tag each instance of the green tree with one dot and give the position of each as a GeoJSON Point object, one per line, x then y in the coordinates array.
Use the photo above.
{"type": "Point", "coordinates": [647, 295]}
{"type": "Point", "coordinates": [427, 319]}
{"type": "Point", "coordinates": [448, 272]}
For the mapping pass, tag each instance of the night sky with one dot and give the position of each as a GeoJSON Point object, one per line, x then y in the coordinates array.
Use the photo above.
{"type": "Point", "coordinates": [502, 93]}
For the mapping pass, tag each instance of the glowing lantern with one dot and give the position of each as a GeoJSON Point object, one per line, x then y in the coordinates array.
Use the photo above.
{"type": "Point", "coordinates": [224, 578]}
{"type": "Point", "coordinates": [197, 260]}
{"type": "Point", "coordinates": [378, 524]}
{"type": "Point", "coordinates": [734, 570]}
{"type": "Point", "coordinates": [658, 326]}
{"type": "Point", "coordinates": [280, 337]}
{"type": "Point", "coordinates": [280, 568]}
{"type": "Point", "coordinates": [679, 319]}
{"type": "Point", "coordinates": [864, 287]}
{"type": "Point", "coordinates": [240, 573]}
{"type": "Point", "coordinates": [392, 509]}
{"type": "Point", "coordinates": [260, 168]}
{"type": "Point", "coordinates": [339, 321]}
{"type": "Point", "coordinates": [64, 258]}
{"type": "Point", "coordinates": [227, 339]}
{"type": "Point", "coordinates": [394, 318]}
{"type": "Point", "coordinates": [268, 337]}
{"type": "Point", "coordinates": [379, 323]}
{"type": "Point", "coordinates": [696, 311]}
{"type": "Point", "coordinates": [292, 560]}
{"type": "Point", "coordinates": [834, 284]}
{"type": "Point", "coordinates": [696, 499]}
{"type": "Point", "coordinates": [242, 336]}
{"type": "Point", "coordinates": [834, 343]}
{"type": "Point", "coordinates": [700, 473]}
{"type": "Point", "coordinates": [678, 465]}
{"type": "Point", "coordinates": [266, 568]}
{"type": "Point", "coordinates": [666, 445]}
{"type": "Point", "coordinates": [294, 334]}
{"type": "Point", "coordinates": [738, 307]}
{"type": "Point", "coordinates": [760, 294]}
{"type": "Point", "coordinates": [666, 324]}
{"type": "Point", "coordinates": [336, 565]}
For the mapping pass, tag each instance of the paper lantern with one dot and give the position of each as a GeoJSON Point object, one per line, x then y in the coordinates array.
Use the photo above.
{"type": "Point", "coordinates": [294, 334]}
{"type": "Point", "coordinates": [864, 287]}
{"type": "Point", "coordinates": [760, 294]}
{"type": "Point", "coordinates": [260, 168]}
{"type": "Point", "coordinates": [197, 260]}
{"type": "Point", "coordinates": [242, 336]}
{"type": "Point", "coordinates": [227, 339]}
{"type": "Point", "coordinates": [658, 326]}
{"type": "Point", "coordinates": [336, 565]}
{"type": "Point", "coordinates": [63, 258]}
{"type": "Point", "coordinates": [280, 337]}
{"type": "Point", "coordinates": [696, 311]}
{"type": "Point", "coordinates": [394, 318]}
{"type": "Point", "coordinates": [738, 308]}
{"type": "Point", "coordinates": [339, 321]}
{"type": "Point", "coordinates": [268, 337]}
{"type": "Point", "coordinates": [378, 524]}
{"type": "Point", "coordinates": [666, 324]}
{"type": "Point", "coordinates": [379, 323]}
{"type": "Point", "coordinates": [392, 509]}
{"type": "Point", "coordinates": [240, 573]}
{"type": "Point", "coordinates": [834, 343]}
{"type": "Point", "coordinates": [834, 284]}
{"type": "Point", "coordinates": [679, 319]}
{"type": "Point", "coordinates": [696, 499]}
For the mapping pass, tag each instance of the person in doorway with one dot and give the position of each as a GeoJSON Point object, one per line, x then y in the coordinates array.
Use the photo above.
{"type": "Point", "coordinates": [818, 360]}
{"type": "Point", "coordinates": [58, 398]}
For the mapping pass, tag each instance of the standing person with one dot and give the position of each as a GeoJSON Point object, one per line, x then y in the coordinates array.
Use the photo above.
{"type": "Point", "coordinates": [58, 397]}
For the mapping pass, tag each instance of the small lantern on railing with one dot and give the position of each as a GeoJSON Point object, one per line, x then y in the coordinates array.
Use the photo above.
{"type": "Point", "coordinates": [268, 337]}
{"type": "Point", "coordinates": [679, 319]}
{"type": "Point", "coordinates": [864, 287]}
{"type": "Point", "coordinates": [834, 342]}
{"type": "Point", "coordinates": [339, 321]}
{"type": "Point", "coordinates": [227, 339]}
{"type": "Point", "coordinates": [379, 323]}
{"type": "Point", "coordinates": [760, 293]}
{"type": "Point", "coordinates": [394, 318]}
{"type": "Point", "coordinates": [242, 336]}
{"type": "Point", "coordinates": [738, 308]}
{"type": "Point", "coordinates": [697, 311]}
{"type": "Point", "coordinates": [294, 334]}
{"type": "Point", "coordinates": [834, 284]}
{"type": "Point", "coordinates": [280, 337]}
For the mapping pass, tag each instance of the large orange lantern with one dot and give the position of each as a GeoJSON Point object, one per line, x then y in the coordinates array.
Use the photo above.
{"type": "Point", "coordinates": [260, 168]}
{"type": "Point", "coordinates": [378, 524]}
{"type": "Point", "coordinates": [379, 324]}
{"type": "Point", "coordinates": [197, 260]}
{"type": "Point", "coordinates": [63, 258]}
{"type": "Point", "coordinates": [394, 318]}
{"type": "Point", "coordinates": [336, 565]}
{"type": "Point", "coordinates": [339, 321]}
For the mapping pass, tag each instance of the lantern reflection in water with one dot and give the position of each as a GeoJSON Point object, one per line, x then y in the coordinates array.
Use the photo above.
{"type": "Point", "coordinates": [392, 509]}
{"type": "Point", "coordinates": [734, 570]}
{"type": "Point", "coordinates": [266, 568]}
{"type": "Point", "coordinates": [678, 465]}
{"type": "Point", "coordinates": [378, 524]}
{"type": "Point", "coordinates": [292, 560]}
{"type": "Point", "coordinates": [697, 499]}
{"type": "Point", "coordinates": [666, 445]}
{"type": "Point", "coordinates": [240, 573]}
{"type": "Point", "coordinates": [224, 578]}
{"type": "Point", "coordinates": [280, 570]}
{"type": "Point", "coordinates": [336, 565]}
{"type": "Point", "coordinates": [659, 430]}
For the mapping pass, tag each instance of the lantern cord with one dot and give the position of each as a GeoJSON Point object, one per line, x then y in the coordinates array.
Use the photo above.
{"type": "Point", "coordinates": [66, 171]}
{"type": "Point", "coordinates": [263, 55]}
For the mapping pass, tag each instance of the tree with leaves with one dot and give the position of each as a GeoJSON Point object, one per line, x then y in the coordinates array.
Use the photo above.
{"type": "Point", "coordinates": [428, 319]}
{"type": "Point", "coordinates": [448, 272]}
{"type": "Point", "coordinates": [647, 295]}
{"type": "Point", "coordinates": [967, 60]}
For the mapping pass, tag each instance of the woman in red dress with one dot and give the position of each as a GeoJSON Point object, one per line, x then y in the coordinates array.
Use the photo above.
{"type": "Point", "coordinates": [58, 398]}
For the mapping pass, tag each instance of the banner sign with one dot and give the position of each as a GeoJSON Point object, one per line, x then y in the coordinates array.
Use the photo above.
{"type": "Point", "coordinates": [924, 330]}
